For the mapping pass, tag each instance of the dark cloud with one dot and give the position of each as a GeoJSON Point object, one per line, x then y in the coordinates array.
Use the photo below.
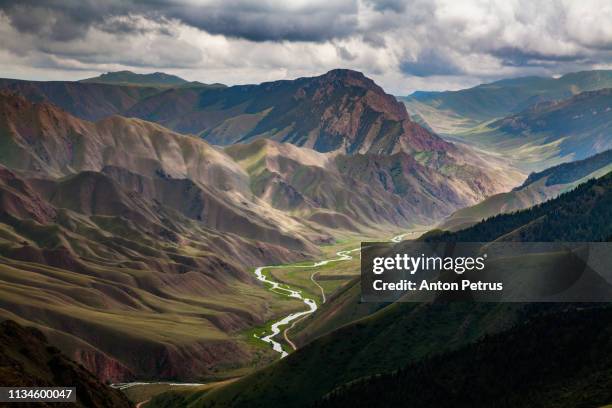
{"type": "Point", "coordinates": [398, 6]}
{"type": "Point", "coordinates": [430, 62]}
{"type": "Point", "coordinates": [516, 57]}
{"type": "Point", "coordinates": [398, 41]}
{"type": "Point", "coordinates": [255, 21]}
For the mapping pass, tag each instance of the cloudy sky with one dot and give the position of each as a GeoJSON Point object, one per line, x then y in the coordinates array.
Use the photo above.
{"type": "Point", "coordinates": [404, 45]}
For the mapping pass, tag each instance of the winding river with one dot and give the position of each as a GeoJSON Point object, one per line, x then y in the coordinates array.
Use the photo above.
{"type": "Point", "coordinates": [286, 290]}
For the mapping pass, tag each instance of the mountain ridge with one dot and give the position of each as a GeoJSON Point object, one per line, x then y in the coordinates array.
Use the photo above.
{"type": "Point", "coordinates": [131, 78]}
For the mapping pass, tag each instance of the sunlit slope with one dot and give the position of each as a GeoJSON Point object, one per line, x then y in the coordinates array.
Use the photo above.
{"type": "Point", "coordinates": [548, 133]}
{"type": "Point", "coordinates": [350, 192]}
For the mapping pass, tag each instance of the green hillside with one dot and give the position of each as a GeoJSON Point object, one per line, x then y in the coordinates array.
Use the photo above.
{"type": "Point", "coordinates": [537, 188]}
{"type": "Point", "coordinates": [559, 359]}
{"type": "Point", "coordinates": [583, 214]}
{"type": "Point", "coordinates": [479, 104]}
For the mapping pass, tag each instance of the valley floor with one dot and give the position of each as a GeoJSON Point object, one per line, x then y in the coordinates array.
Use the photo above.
{"type": "Point", "coordinates": [309, 283]}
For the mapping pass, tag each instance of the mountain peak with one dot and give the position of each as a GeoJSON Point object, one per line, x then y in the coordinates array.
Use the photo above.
{"type": "Point", "coordinates": [350, 76]}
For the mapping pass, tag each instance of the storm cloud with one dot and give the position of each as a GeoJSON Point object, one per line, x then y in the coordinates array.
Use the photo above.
{"type": "Point", "coordinates": [404, 44]}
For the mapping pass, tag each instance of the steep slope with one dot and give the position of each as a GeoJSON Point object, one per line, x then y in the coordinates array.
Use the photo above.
{"type": "Point", "coordinates": [451, 112]}
{"type": "Point", "coordinates": [538, 187]}
{"type": "Point", "coordinates": [540, 364]}
{"type": "Point", "coordinates": [582, 214]}
{"type": "Point", "coordinates": [27, 359]}
{"type": "Point", "coordinates": [131, 78]}
{"type": "Point", "coordinates": [346, 190]}
{"type": "Point", "coordinates": [341, 110]}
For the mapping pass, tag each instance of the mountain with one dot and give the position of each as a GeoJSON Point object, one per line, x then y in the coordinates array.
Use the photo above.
{"type": "Point", "coordinates": [451, 112]}
{"type": "Point", "coordinates": [126, 230]}
{"type": "Point", "coordinates": [27, 360]}
{"type": "Point", "coordinates": [542, 363]}
{"type": "Point", "coordinates": [90, 101]}
{"type": "Point", "coordinates": [536, 189]}
{"type": "Point", "coordinates": [346, 191]}
{"type": "Point", "coordinates": [341, 111]}
{"type": "Point", "coordinates": [131, 78]}
{"type": "Point", "coordinates": [582, 214]}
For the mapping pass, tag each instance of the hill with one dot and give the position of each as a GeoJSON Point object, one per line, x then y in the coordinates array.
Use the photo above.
{"type": "Point", "coordinates": [582, 214]}
{"type": "Point", "coordinates": [537, 188]}
{"type": "Point", "coordinates": [541, 363]}
{"type": "Point", "coordinates": [27, 359]}
{"type": "Point", "coordinates": [90, 101]}
{"type": "Point", "coordinates": [347, 191]}
{"type": "Point", "coordinates": [159, 79]}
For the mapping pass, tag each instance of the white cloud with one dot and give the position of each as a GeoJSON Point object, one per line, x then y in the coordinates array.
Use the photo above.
{"type": "Point", "coordinates": [403, 45]}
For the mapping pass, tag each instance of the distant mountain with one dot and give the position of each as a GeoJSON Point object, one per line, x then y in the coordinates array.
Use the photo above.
{"type": "Point", "coordinates": [573, 128]}
{"type": "Point", "coordinates": [131, 78]}
{"type": "Point", "coordinates": [90, 101]}
{"type": "Point", "coordinates": [455, 111]}
{"type": "Point", "coordinates": [583, 214]}
{"type": "Point", "coordinates": [341, 110]}
{"type": "Point", "coordinates": [28, 360]}
{"type": "Point", "coordinates": [538, 188]}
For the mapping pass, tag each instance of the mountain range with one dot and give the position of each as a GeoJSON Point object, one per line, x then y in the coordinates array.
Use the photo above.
{"type": "Point", "coordinates": [452, 112]}
{"type": "Point", "coordinates": [134, 208]}
{"type": "Point", "coordinates": [127, 229]}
